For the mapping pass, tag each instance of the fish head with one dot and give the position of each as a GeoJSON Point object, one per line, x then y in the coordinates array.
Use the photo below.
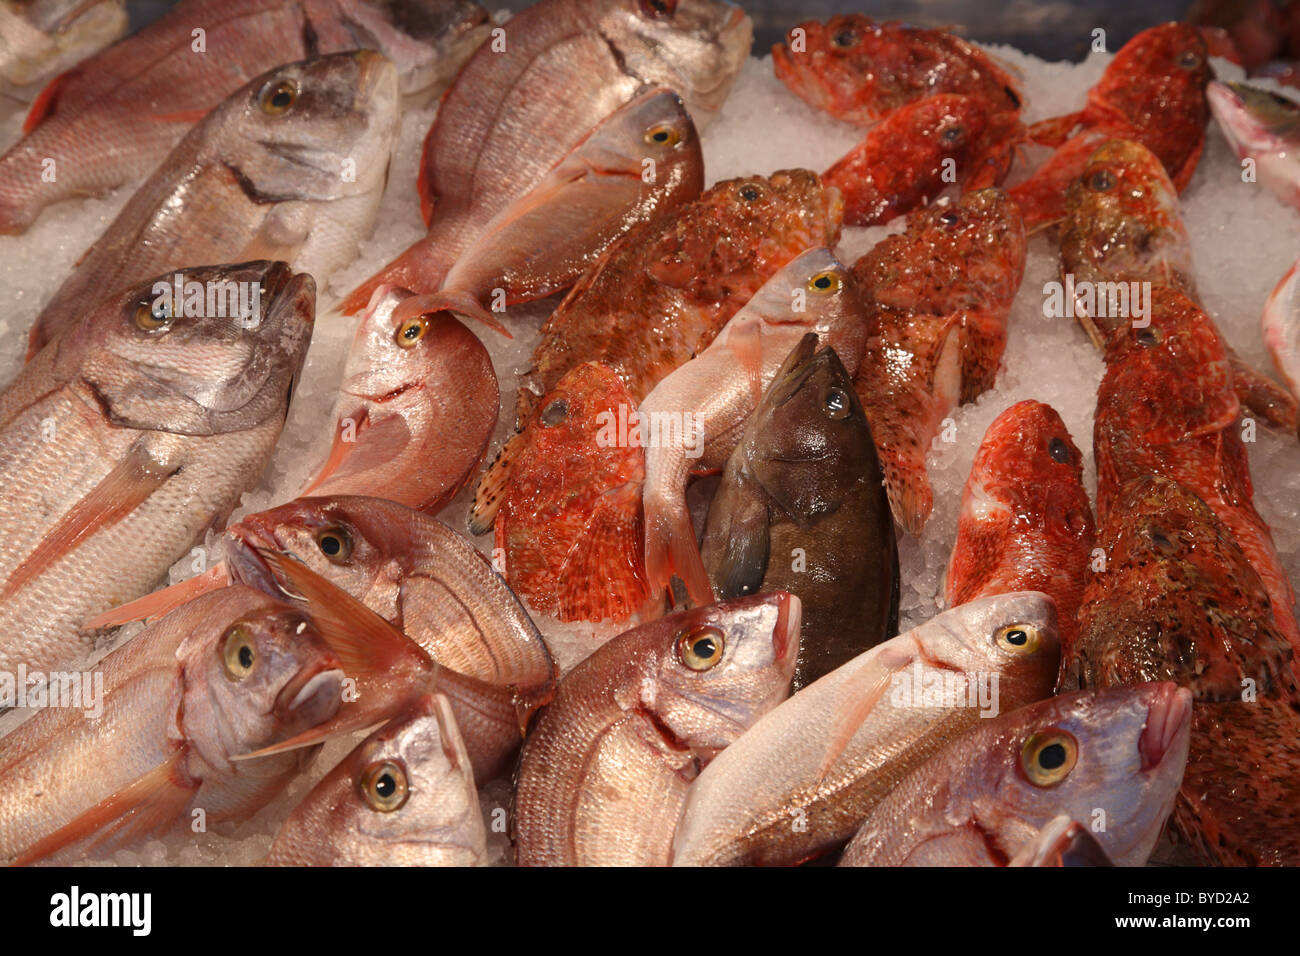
{"type": "Point", "coordinates": [445, 34]}
{"type": "Point", "coordinates": [319, 129]}
{"type": "Point", "coordinates": [695, 47]}
{"type": "Point", "coordinates": [654, 128]}
{"type": "Point", "coordinates": [1255, 121]}
{"type": "Point", "coordinates": [1165, 68]}
{"type": "Point", "coordinates": [808, 443]}
{"type": "Point", "coordinates": [1123, 219]}
{"type": "Point", "coordinates": [827, 63]}
{"type": "Point", "coordinates": [721, 666]}
{"type": "Point", "coordinates": [1115, 756]}
{"type": "Point", "coordinates": [200, 351]}
{"type": "Point", "coordinates": [257, 671]}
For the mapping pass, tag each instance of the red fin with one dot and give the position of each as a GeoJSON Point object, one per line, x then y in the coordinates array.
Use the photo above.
{"type": "Point", "coordinates": [888, 663]}
{"type": "Point", "coordinates": [670, 549]}
{"type": "Point", "coordinates": [447, 300]}
{"type": "Point", "coordinates": [146, 808]}
{"type": "Point", "coordinates": [121, 491]}
{"type": "Point", "coordinates": [416, 269]}
{"type": "Point", "coordinates": [1054, 131]}
{"type": "Point", "coordinates": [155, 605]}
{"type": "Point", "coordinates": [45, 103]}
{"type": "Point", "coordinates": [603, 575]}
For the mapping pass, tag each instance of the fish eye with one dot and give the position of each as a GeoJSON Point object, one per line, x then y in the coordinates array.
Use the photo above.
{"type": "Point", "coordinates": [278, 97]}
{"type": "Point", "coordinates": [1018, 638]}
{"type": "Point", "coordinates": [1189, 59]}
{"type": "Point", "coordinates": [659, 9]}
{"type": "Point", "coordinates": [1103, 180]}
{"type": "Point", "coordinates": [825, 282]}
{"type": "Point", "coordinates": [836, 402]}
{"type": "Point", "coordinates": [949, 217]}
{"type": "Point", "coordinates": [1048, 757]}
{"type": "Point", "coordinates": [554, 413]}
{"type": "Point", "coordinates": [412, 331]}
{"type": "Point", "coordinates": [384, 786]}
{"type": "Point", "coordinates": [1059, 450]}
{"type": "Point", "coordinates": [700, 648]}
{"type": "Point", "coordinates": [953, 134]}
{"type": "Point", "coordinates": [1163, 542]}
{"type": "Point", "coordinates": [238, 653]}
{"type": "Point", "coordinates": [335, 544]}
{"type": "Point", "coordinates": [1147, 338]}
{"type": "Point", "coordinates": [844, 39]}
{"type": "Point", "coordinates": [153, 316]}
{"type": "Point", "coordinates": [750, 192]}
{"type": "Point", "coordinates": [662, 135]}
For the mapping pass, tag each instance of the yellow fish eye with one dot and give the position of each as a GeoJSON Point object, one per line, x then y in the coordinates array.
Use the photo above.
{"type": "Point", "coordinates": [825, 282]}
{"type": "Point", "coordinates": [662, 135]}
{"type": "Point", "coordinates": [700, 648]}
{"type": "Point", "coordinates": [278, 98]}
{"type": "Point", "coordinates": [384, 787]}
{"type": "Point", "coordinates": [1018, 638]}
{"type": "Point", "coordinates": [412, 331]}
{"type": "Point", "coordinates": [1048, 757]}
{"type": "Point", "coordinates": [151, 317]}
{"type": "Point", "coordinates": [335, 544]}
{"type": "Point", "coordinates": [238, 653]}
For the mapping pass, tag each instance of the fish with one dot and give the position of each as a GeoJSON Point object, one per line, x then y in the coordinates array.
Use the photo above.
{"type": "Point", "coordinates": [1026, 522]}
{"type": "Point", "coordinates": [712, 394]}
{"type": "Point", "coordinates": [1152, 92]}
{"type": "Point", "coordinates": [404, 797]}
{"type": "Point", "coordinates": [417, 406]}
{"type": "Point", "coordinates": [1166, 406]}
{"type": "Point", "coordinates": [1123, 225]}
{"type": "Point", "coordinates": [1265, 127]}
{"type": "Point", "coordinates": [937, 297]}
{"type": "Point", "coordinates": [1178, 600]}
{"type": "Point", "coordinates": [263, 176]}
{"type": "Point", "coordinates": [1256, 29]}
{"type": "Point", "coordinates": [555, 72]}
{"type": "Point", "coordinates": [641, 161]}
{"type": "Point", "coordinates": [1280, 323]}
{"type": "Point", "coordinates": [42, 38]}
{"type": "Point", "coordinates": [1062, 842]}
{"type": "Point", "coordinates": [112, 118]}
{"type": "Point", "coordinates": [797, 785]}
{"type": "Point", "coordinates": [1119, 753]}
{"type": "Point", "coordinates": [229, 672]}
{"type": "Point", "coordinates": [605, 770]}
{"type": "Point", "coordinates": [569, 524]}
{"type": "Point", "coordinates": [802, 508]}
{"type": "Point", "coordinates": [157, 415]}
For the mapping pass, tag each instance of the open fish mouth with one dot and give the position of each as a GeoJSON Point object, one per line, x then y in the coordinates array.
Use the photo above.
{"type": "Point", "coordinates": [785, 636]}
{"type": "Point", "coordinates": [314, 695]}
{"type": "Point", "coordinates": [1169, 719]}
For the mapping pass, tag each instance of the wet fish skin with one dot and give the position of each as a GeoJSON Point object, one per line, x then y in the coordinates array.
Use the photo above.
{"type": "Point", "coordinates": [937, 296]}
{"type": "Point", "coordinates": [250, 181]}
{"type": "Point", "coordinates": [799, 783]}
{"type": "Point", "coordinates": [39, 39]}
{"type": "Point", "coordinates": [418, 762]}
{"type": "Point", "coordinates": [1263, 126]}
{"type": "Point", "coordinates": [417, 407]}
{"type": "Point", "coordinates": [179, 700]}
{"type": "Point", "coordinates": [804, 480]}
{"type": "Point", "coordinates": [90, 120]}
{"type": "Point", "coordinates": [605, 770]}
{"type": "Point", "coordinates": [155, 433]}
{"type": "Point", "coordinates": [974, 803]}
{"type": "Point", "coordinates": [712, 394]}
{"type": "Point", "coordinates": [1026, 522]}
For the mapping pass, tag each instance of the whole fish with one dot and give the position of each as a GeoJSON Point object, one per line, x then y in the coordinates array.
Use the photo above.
{"type": "Point", "coordinates": [712, 394]}
{"type": "Point", "coordinates": [569, 522]}
{"type": "Point", "coordinates": [228, 673]}
{"type": "Point", "coordinates": [1123, 226]}
{"type": "Point", "coordinates": [605, 771]}
{"type": "Point", "coordinates": [404, 797]}
{"type": "Point", "coordinates": [417, 406]}
{"type": "Point", "coordinates": [1062, 842]}
{"type": "Point", "coordinates": [1166, 407]}
{"type": "Point", "coordinates": [1265, 127]}
{"type": "Point", "coordinates": [982, 800]}
{"type": "Point", "coordinates": [802, 508]}
{"type": "Point", "coordinates": [111, 119]}
{"type": "Point", "coordinates": [937, 298]}
{"type": "Point", "coordinates": [1153, 92]}
{"type": "Point", "coordinates": [39, 38]}
{"type": "Point", "coordinates": [1179, 600]}
{"type": "Point", "coordinates": [799, 783]}
{"type": "Point", "coordinates": [262, 176]}
{"type": "Point", "coordinates": [662, 293]}
{"type": "Point", "coordinates": [1026, 522]}
{"type": "Point", "coordinates": [641, 161]}
{"type": "Point", "coordinates": [526, 101]}
{"type": "Point", "coordinates": [156, 414]}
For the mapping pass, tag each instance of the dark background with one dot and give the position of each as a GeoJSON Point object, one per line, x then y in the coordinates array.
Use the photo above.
{"type": "Point", "coordinates": [1051, 29]}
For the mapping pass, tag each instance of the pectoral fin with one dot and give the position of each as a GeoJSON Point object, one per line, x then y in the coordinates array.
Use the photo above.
{"type": "Point", "coordinates": [160, 602]}
{"type": "Point", "coordinates": [746, 552]}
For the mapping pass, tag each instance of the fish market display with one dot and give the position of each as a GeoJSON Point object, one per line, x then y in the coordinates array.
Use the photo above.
{"type": "Point", "coordinates": [802, 508]}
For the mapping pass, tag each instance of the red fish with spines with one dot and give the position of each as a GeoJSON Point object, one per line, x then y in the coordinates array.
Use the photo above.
{"type": "Point", "coordinates": [1026, 522]}
{"type": "Point", "coordinates": [1152, 92]}
{"type": "Point", "coordinates": [1166, 406]}
{"type": "Point", "coordinates": [569, 524]}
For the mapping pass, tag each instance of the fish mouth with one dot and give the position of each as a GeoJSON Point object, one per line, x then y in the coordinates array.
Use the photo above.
{"type": "Point", "coordinates": [1241, 112]}
{"type": "Point", "coordinates": [785, 636]}
{"type": "Point", "coordinates": [314, 695]}
{"type": "Point", "coordinates": [244, 543]}
{"type": "Point", "coordinates": [1169, 719]}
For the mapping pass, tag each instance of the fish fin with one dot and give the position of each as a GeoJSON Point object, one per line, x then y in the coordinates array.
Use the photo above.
{"type": "Point", "coordinates": [912, 501]}
{"type": "Point", "coordinates": [427, 198]}
{"type": "Point", "coordinates": [160, 602]}
{"type": "Point", "coordinates": [372, 441]}
{"type": "Point", "coordinates": [447, 300]}
{"type": "Point", "coordinates": [46, 102]}
{"type": "Point", "coordinates": [188, 117]}
{"type": "Point", "coordinates": [746, 553]}
{"type": "Point", "coordinates": [1054, 131]}
{"type": "Point", "coordinates": [746, 343]}
{"type": "Point", "coordinates": [418, 269]}
{"type": "Point", "coordinates": [121, 491]}
{"type": "Point", "coordinates": [1258, 393]}
{"type": "Point", "coordinates": [603, 575]}
{"type": "Point", "coordinates": [147, 807]}
{"type": "Point", "coordinates": [670, 548]}
{"type": "Point", "coordinates": [345, 722]}
{"type": "Point", "coordinates": [492, 487]}
{"type": "Point", "coordinates": [888, 663]}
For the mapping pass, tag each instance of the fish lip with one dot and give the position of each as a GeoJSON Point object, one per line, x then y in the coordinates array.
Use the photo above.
{"type": "Point", "coordinates": [318, 686]}
{"type": "Point", "coordinates": [785, 636]}
{"type": "Point", "coordinates": [1169, 717]}
{"type": "Point", "coordinates": [243, 561]}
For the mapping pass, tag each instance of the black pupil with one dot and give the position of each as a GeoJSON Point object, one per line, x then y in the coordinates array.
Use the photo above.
{"type": "Point", "coordinates": [1017, 637]}
{"type": "Point", "coordinates": [749, 193]}
{"type": "Point", "coordinates": [411, 332]}
{"type": "Point", "coordinates": [953, 134]}
{"type": "Point", "coordinates": [822, 282]}
{"type": "Point", "coordinates": [1102, 181]}
{"type": "Point", "coordinates": [281, 99]}
{"type": "Point", "coordinates": [846, 38]}
{"type": "Point", "coordinates": [1147, 338]}
{"type": "Point", "coordinates": [555, 412]}
{"type": "Point", "coordinates": [948, 219]}
{"type": "Point", "coordinates": [1162, 540]}
{"type": "Point", "coordinates": [385, 786]}
{"type": "Point", "coordinates": [1189, 59]}
{"type": "Point", "coordinates": [704, 647]}
{"type": "Point", "coordinates": [835, 400]}
{"type": "Point", "coordinates": [245, 657]}
{"type": "Point", "coordinates": [331, 545]}
{"type": "Point", "coordinates": [661, 136]}
{"type": "Point", "coordinates": [1056, 448]}
{"type": "Point", "coordinates": [1051, 757]}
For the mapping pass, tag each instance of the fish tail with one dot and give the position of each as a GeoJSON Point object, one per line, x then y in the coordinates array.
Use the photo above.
{"type": "Point", "coordinates": [670, 549]}
{"type": "Point", "coordinates": [910, 495]}
{"type": "Point", "coordinates": [603, 576]}
{"type": "Point", "coordinates": [418, 269]}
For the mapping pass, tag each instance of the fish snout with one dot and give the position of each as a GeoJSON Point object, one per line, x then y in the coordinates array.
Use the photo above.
{"type": "Point", "coordinates": [314, 695]}
{"type": "Point", "coordinates": [1169, 719]}
{"type": "Point", "coordinates": [785, 636]}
